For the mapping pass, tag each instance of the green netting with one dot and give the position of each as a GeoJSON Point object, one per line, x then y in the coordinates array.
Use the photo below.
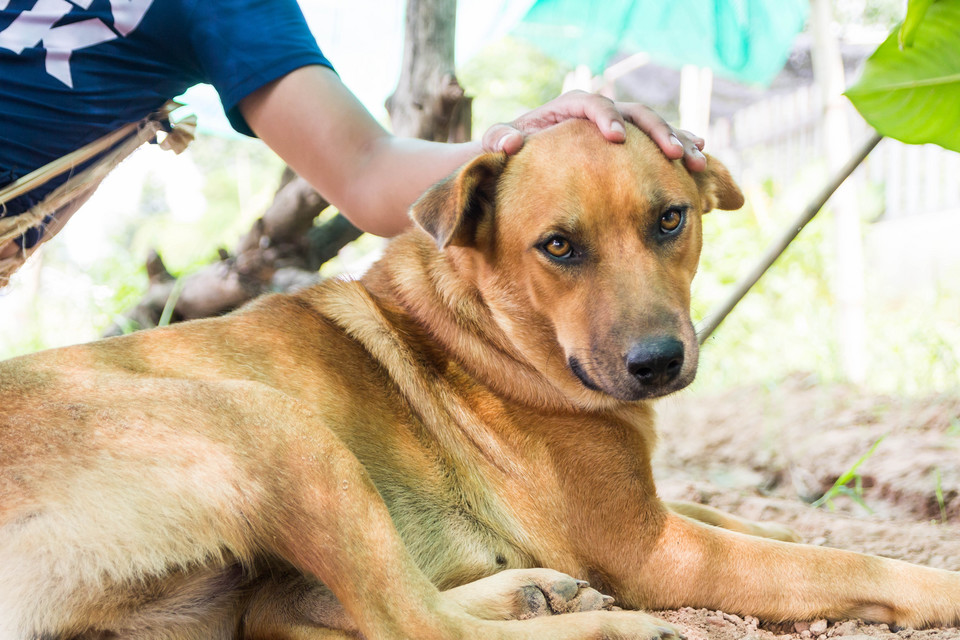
{"type": "Point", "coordinates": [748, 40]}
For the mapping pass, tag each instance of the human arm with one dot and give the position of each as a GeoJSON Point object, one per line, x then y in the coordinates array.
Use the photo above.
{"type": "Point", "coordinates": [323, 132]}
{"type": "Point", "coordinates": [327, 136]}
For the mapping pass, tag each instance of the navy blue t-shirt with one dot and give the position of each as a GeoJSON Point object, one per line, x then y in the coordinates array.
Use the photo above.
{"type": "Point", "coordinates": [71, 72]}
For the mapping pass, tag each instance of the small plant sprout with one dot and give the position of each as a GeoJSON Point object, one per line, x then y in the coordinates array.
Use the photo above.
{"type": "Point", "coordinates": [939, 492]}
{"type": "Point", "coordinates": [841, 488]}
{"type": "Point", "coordinates": [167, 314]}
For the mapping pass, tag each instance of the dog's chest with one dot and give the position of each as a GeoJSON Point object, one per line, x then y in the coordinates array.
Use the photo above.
{"type": "Point", "coordinates": [464, 522]}
{"type": "Point", "coordinates": [455, 534]}
{"type": "Point", "coordinates": [546, 502]}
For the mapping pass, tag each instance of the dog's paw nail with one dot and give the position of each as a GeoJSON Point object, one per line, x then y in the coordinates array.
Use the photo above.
{"type": "Point", "coordinates": [670, 632]}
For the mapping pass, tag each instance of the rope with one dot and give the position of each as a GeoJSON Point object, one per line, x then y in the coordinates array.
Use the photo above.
{"type": "Point", "coordinates": [111, 150]}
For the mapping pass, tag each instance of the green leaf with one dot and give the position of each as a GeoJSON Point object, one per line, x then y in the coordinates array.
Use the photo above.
{"type": "Point", "coordinates": [840, 486]}
{"type": "Point", "coordinates": [916, 9]}
{"type": "Point", "coordinates": [914, 95]}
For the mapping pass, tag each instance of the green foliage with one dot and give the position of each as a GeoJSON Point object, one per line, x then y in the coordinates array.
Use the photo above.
{"type": "Point", "coordinates": [879, 13]}
{"type": "Point", "coordinates": [236, 179]}
{"type": "Point", "coordinates": [938, 489]}
{"type": "Point", "coordinates": [787, 323]}
{"type": "Point", "coordinates": [916, 10]}
{"type": "Point", "coordinates": [171, 303]}
{"type": "Point", "coordinates": [508, 78]}
{"type": "Point", "coordinates": [912, 94]}
{"type": "Point", "coordinates": [954, 428]}
{"type": "Point", "coordinates": [841, 486]}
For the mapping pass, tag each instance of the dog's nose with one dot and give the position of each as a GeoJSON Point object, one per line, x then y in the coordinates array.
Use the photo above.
{"type": "Point", "coordinates": [656, 361]}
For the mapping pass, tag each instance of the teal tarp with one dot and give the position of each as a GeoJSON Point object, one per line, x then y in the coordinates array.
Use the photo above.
{"type": "Point", "coordinates": [748, 40]}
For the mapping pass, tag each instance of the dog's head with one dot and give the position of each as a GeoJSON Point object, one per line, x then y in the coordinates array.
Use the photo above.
{"type": "Point", "coordinates": [584, 251]}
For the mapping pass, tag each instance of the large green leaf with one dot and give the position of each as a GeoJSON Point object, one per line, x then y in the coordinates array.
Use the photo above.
{"type": "Point", "coordinates": [916, 9]}
{"type": "Point", "coordinates": [914, 95]}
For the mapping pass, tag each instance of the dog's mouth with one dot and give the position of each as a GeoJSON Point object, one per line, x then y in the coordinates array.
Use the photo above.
{"type": "Point", "coordinates": [629, 388]}
{"type": "Point", "coordinates": [578, 371]}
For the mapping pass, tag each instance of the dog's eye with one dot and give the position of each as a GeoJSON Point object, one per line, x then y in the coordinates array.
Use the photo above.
{"type": "Point", "coordinates": [558, 247]}
{"type": "Point", "coordinates": [671, 220]}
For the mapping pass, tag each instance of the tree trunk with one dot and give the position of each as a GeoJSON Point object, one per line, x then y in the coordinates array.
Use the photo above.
{"type": "Point", "coordinates": [428, 102]}
{"type": "Point", "coordinates": [848, 280]}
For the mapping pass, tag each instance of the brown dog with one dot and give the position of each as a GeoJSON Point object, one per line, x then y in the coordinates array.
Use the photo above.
{"type": "Point", "coordinates": [318, 465]}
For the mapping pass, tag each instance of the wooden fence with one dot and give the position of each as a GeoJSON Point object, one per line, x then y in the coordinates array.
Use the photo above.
{"type": "Point", "coordinates": [779, 136]}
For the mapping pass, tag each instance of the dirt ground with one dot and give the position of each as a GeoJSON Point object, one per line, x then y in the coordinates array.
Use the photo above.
{"type": "Point", "coordinates": [765, 453]}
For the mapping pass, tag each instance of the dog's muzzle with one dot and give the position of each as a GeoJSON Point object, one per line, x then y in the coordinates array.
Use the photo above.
{"type": "Point", "coordinates": [651, 368]}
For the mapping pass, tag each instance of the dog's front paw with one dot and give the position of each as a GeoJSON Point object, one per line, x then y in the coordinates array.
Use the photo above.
{"type": "Point", "coordinates": [519, 594]}
{"type": "Point", "coordinates": [547, 592]}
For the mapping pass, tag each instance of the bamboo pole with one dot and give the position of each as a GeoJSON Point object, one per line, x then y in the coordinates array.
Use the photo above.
{"type": "Point", "coordinates": [778, 246]}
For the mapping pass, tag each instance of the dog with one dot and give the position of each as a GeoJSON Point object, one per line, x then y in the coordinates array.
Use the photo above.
{"type": "Point", "coordinates": [453, 446]}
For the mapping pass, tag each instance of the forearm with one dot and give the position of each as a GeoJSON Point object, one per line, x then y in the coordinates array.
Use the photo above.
{"type": "Point", "coordinates": [323, 132]}
{"type": "Point", "coordinates": [394, 175]}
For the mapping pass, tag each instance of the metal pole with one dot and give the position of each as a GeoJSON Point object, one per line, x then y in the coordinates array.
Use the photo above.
{"type": "Point", "coordinates": [779, 245]}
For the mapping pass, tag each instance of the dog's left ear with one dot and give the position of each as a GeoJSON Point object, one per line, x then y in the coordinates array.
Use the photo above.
{"type": "Point", "coordinates": [717, 188]}
{"type": "Point", "coordinates": [452, 210]}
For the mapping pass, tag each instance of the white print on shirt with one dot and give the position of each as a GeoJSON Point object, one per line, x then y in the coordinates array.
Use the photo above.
{"type": "Point", "coordinates": [35, 25]}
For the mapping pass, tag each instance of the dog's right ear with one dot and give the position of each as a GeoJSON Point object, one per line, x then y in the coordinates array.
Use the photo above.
{"type": "Point", "coordinates": [717, 188]}
{"type": "Point", "coordinates": [452, 209]}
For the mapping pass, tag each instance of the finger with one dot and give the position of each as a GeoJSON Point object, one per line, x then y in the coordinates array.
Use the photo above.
{"type": "Point", "coordinates": [693, 158]}
{"type": "Point", "coordinates": [697, 140]}
{"type": "Point", "coordinates": [502, 137]}
{"type": "Point", "coordinates": [650, 122]}
{"type": "Point", "coordinates": [603, 112]}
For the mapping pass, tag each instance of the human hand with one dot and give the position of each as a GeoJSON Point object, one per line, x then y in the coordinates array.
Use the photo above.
{"type": "Point", "coordinates": [609, 117]}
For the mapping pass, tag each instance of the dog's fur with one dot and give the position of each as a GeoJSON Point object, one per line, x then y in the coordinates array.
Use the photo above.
{"type": "Point", "coordinates": [317, 465]}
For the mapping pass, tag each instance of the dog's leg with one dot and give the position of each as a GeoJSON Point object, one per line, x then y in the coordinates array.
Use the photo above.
{"type": "Point", "coordinates": [289, 605]}
{"type": "Point", "coordinates": [702, 566]}
{"type": "Point", "coordinates": [717, 518]}
{"type": "Point", "coordinates": [331, 523]}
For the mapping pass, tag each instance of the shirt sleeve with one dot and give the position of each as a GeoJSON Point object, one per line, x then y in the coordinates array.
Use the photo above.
{"type": "Point", "coordinates": [242, 45]}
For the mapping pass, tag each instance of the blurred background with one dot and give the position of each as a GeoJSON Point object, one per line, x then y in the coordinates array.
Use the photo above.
{"type": "Point", "coordinates": [868, 293]}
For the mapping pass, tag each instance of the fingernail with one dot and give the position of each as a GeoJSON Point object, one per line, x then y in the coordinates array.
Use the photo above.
{"type": "Point", "coordinates": [503, 141]}
{"type": "Point", "coordinates": [617, 127]}
{"type": "Point", "coordinates": [582, 584]}
{"type": "Point", "coordinates": [697, 154]}
{"type": "Point", "coordinates": [676, 141]}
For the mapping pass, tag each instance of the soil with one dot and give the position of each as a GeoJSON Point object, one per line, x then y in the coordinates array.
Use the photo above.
{"type": "Point", "coordinates": [766, 453]}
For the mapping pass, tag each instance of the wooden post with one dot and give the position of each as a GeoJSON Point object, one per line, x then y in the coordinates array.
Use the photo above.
{"type": "Point", "coordinates": [849, 274]}
{"type": "Point", "coordinates": [696, 89]}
